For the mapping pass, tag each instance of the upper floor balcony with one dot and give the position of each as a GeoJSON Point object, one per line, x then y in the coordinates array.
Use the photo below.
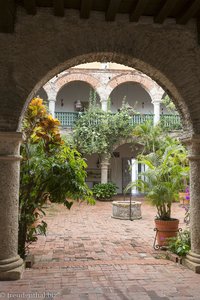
{"type": "Point", "coordinates": [169, 122]}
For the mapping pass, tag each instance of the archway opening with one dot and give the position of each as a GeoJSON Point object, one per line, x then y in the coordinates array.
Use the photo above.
{"type": "Point", "coordinates": [133, 94]}
{"type": "Point", "coordinates": [104, 91]}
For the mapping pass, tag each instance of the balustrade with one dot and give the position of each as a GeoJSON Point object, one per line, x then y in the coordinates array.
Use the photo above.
{"type": "Point", "coordinates": [169, 122]}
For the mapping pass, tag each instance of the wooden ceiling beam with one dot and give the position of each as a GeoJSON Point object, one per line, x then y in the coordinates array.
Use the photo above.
{"type": "Point", "coordinates": [165, 11]}
{"type": "Point", "coordinates": [58, 8]}
{"type": "Point", "coordinates": [138, 10]}
{"type": "Point", "coordinates": [7, 16]}
{"type": "Point", "coordinates": [30, 6]}
{"type": "Point", "coordinates": [189, 12]}
{"type": "Point", "coordinates": [112, 10]}
{"type": "Point", "coordinates": [86, 6]}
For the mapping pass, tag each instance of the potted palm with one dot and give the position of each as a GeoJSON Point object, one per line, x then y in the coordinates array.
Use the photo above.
{"type": "Point", "coordinates": [161, 182]}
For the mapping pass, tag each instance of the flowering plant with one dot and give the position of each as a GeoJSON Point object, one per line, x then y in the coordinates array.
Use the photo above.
{"type": "Point", "coordinates": [187, 193]}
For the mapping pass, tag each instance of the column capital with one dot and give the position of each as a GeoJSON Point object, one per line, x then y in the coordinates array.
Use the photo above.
{"type": "Point", "coordinates": [105, 164]}
{"type": "Point", "coordinates": [52, 99]}
{"type": "Point", "coordinates": [188, 138]}
{"type": "Point", "coordinates": [104, 100]}
{"type": "Point", "coordinates": [156, 93]}
{"type": "Point", "coordinates": [50, 89]}
{"type": "Point", "coordinates": [156, 101]}
{"type": "Point", "coordinates": [9, 144]}
{"type": "Point", "coordinates": [192, 142]}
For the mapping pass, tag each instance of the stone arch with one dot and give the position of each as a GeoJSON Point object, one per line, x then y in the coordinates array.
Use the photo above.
{"type": "Point", "coordinates": [148, 50]}
{"type": "Point", "coordinates": [147, 83]}
{"type": "Point", "coordinates": [129, 141]}
{"type": "Point", "coordinates": [122, 58]}
{"type": "Point", "coordinates": [80, 76]}
{"type": "Point", "coordinates": [43, 46]}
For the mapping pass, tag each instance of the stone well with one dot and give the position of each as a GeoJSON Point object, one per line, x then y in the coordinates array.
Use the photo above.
{"type": "Point", "coordinates": [121, 210]}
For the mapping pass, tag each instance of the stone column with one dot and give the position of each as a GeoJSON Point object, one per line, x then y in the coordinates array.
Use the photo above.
{"type": "Point", "coordinates": [193, 258]}
{"type": "Point", "coordinates": [156, 106]}
{"type": "Point", "coordinates": [11, 265]}
{"type": "Point", "coordinates": [51, 91]}
{"type": "Point", "coordinates": [156, 94]}
{"type": "Point", "coordinates": [52, 107]}
{"type": "Point", "coordinates": [104, 170]}
{"type": "Point", "coordinates": [104, 104]}
{"type": "Point", "coordinates": [134, 175]}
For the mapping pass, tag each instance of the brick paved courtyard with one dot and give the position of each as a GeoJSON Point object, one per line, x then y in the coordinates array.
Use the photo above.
{"type": "Point", "coordinates": [89, 255]}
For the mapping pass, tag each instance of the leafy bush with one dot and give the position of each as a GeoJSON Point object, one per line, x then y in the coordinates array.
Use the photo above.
{"type": "Point", "coordinates": [104, 191]}
{"type": "Point", "coordinates": [97, 131]}
{"type": "Point", "coordinates": [49, 168]}
{"type": "Point", "coordinates": [181, 244]}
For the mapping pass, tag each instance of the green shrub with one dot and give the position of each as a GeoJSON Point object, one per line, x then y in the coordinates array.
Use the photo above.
{"type": "Point", "coordinates": [181, 244]}
{"type": "Point", "coordinates": [104, 191]}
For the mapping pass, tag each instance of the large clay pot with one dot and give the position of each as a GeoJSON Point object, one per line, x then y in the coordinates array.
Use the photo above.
{"type": "Point", "coordinates": [166, 229]}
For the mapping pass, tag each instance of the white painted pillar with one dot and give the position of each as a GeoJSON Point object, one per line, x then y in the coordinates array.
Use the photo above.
{"type": "Point", "coordinates": [134, 175]}
{"type": "Point", "coordinates": [156, 94]}
{"type": "Point", "coordinates": [52, 103]}
{"type": "Point", "coordinates": [104, 104]}
{"type": "Point", "coordinates": [51, 91]}
{"type": "Point", "coordinates": [156, 105]}
{"type": "Point", "coordinates": [104, 170]}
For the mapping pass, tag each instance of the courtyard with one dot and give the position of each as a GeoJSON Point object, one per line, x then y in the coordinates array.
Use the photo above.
{"type": "Point", "coordinates": [87, 254]}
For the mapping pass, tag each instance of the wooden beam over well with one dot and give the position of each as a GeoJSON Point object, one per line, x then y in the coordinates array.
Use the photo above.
{"type": "Point", "coordinates": [30, 7]}
{"type": "Point", "coordinates": [138, 10]}
{"type": "Point", "coordinates": [189, 12]}
{"type": "Point", "coordinates": [112, 10]}
{"type": "Point", "coordinates": [165, 11]}
{"type": "Point", "coordinates": [86, 6]}
{"type": "Point", "coordinates": [7, 16]}
{"type": "Point", "coordinates": [58, 8]}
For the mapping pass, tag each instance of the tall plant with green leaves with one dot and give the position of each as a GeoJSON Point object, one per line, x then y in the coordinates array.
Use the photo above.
{"type": "Point", "coordinates": [97, 131]}
{"type": "Point", "coordinates": [49, 168]}
{"type": "Point", "coordinates": [166, 169]}
{"type": "Point", "coordinates": [168, 103]}
{"type": "Point", "coordinates": [149, 135]}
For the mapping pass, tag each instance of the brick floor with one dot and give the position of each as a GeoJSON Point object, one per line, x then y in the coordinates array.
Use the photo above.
{"type": "Point", "coordinates": [88, 255]}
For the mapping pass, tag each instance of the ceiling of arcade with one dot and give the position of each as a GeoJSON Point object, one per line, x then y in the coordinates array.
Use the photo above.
{"type": "Point", "coordinates": [181, 10]}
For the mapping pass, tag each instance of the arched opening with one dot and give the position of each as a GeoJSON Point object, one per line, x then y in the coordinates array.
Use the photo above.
{"type": "Point", "coordinates": [167, 84]}
{"type": "Point", "coordinates": [134, 94]}
{"type": "Point", "coordinates": [72, 93]}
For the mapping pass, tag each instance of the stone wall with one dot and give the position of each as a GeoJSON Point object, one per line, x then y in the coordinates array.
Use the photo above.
{"type": "Point", "coordinates": [44, 45]}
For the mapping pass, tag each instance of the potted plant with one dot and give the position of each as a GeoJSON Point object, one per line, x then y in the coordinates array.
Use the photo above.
{"type": "Point", "coordinates": [161, 182]}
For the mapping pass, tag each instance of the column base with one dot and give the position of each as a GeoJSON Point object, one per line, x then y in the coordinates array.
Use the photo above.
{"type": "Point", "coordinates": [11, 269]}
{"type": "Point", "coordinates": [192, 261]}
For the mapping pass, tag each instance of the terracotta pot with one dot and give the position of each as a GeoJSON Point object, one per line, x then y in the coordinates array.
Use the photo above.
{"type": "Point", "coordinates": [166, 229]}
{"type": "Point", "coordinates": [182, 198]}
